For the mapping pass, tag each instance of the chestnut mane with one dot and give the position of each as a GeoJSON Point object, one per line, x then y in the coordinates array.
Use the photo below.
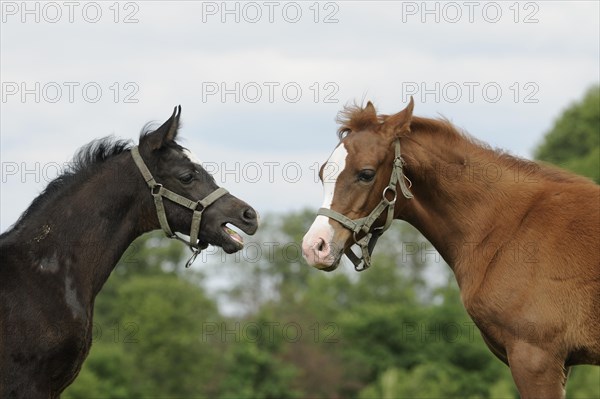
{"type": "Point", "coordinates": [355, 118]}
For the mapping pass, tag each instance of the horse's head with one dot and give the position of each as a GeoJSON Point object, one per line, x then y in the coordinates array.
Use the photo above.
{"type": "Point", "coordinates": [361, 180]}
{"type": "Point", "coordinates": [190, 192]}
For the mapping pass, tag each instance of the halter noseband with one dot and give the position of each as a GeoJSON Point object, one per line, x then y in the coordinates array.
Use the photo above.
{"type": "Point", "coordinates": [364, 225]}
{"type": "Point", "coordinates": [158, 191]}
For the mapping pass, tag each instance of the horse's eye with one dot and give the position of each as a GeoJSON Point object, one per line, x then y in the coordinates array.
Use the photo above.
{"type": "Point", "coordinates": [187, 178]}
{"type": "Point", "coordinates": [366, 175]}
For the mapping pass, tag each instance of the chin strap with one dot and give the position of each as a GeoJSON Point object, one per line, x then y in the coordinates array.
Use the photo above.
{"type": "Point", "coordinates": [158, 192]}
{"type": "Point", "coordinates": [364, 226]}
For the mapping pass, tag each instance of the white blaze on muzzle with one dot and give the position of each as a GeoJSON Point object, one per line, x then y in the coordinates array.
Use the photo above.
{"type": "Point", "coordinates": [364, 226]}
{"type": "Point", "coordinates": [316, 244]}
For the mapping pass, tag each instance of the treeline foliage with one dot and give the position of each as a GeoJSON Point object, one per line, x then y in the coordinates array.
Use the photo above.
{"type": "Point", "coordinates": [574, 141]}
{"type": "Point", "coordinates": [298, 333]}
{"type": "Point", "coordinates": [262, 324]}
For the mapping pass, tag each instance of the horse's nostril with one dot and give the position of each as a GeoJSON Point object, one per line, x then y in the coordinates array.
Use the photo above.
{"type": "Point", "coordinates": [249, 214]}
{"type": "Point", "coordinates": [321, 245]}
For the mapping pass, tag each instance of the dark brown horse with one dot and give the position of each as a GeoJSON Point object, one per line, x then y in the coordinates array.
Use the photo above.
{"type": "Point", "coordinates": [522, 239]}
{"type": "Point", "coordinates": [56, 258]}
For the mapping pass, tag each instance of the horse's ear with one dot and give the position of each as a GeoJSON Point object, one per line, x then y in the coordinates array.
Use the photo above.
{"type": "Point", "coordinates": [370, 108]}
{"type": "Point", "coordinates": [399, 124]}
{"type": "Point", "coordinates": [167, 132]}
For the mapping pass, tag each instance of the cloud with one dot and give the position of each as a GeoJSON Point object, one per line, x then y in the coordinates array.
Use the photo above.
{"type": "Point", "coordinates": [376, 50]}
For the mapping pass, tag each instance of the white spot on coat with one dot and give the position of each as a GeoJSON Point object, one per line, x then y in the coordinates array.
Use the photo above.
{"type": "Point", "coordinates": [72, 301]}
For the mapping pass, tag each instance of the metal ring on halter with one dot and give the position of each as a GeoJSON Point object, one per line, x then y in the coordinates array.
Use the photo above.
{"type": "Point", "coordinates": [393, 190]}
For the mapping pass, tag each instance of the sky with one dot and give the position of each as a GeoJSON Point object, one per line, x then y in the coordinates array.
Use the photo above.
{"type": "Point", "coordinates": [260, 83]}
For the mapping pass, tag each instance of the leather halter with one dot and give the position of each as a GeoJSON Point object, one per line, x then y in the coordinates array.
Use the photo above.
{"type": "Point", "coordinates": [158, 192]}
{"type": "Point", "coordinates": [364, 225]}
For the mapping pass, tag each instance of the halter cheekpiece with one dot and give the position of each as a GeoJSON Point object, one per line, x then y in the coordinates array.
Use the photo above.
{"type": "Point", "coordinates": [364, 225]}
{"type": "Point", "coordinates": [158, 192]}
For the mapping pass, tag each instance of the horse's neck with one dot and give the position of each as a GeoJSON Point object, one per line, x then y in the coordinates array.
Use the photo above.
{"type": "Point", "coordinates": [81, 233]}
{"type": "Point", "coordinates": [465, 202]}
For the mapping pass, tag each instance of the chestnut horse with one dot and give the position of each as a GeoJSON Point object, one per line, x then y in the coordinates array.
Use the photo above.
{"type": "Point", "coordinates": [523, 239]}
{"type": "Point", "coordinates": [56, 258]}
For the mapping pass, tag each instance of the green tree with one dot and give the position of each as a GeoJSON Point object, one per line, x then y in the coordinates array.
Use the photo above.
{"type": "Point", "coordinates": [106, 374]}
{"type": "Point", "coordinates": [584, 383]}
{"type": "Point", "coordinates": [148, 330]}
{"type": "Point", "coordinates": [417, 349]}
{"type": "Point", "coordinates": [384, 332]}
{"type": "Point", "coordinates": [359, 326]}
{"type": "Point", "coordinates": [574, 140]}
{"type": "Point", "coordinates": [254, 370]}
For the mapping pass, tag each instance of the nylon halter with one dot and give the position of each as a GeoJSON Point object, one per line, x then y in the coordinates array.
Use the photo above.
{"type": "Point", "coordinates": [364, 225]}
{"type": "Point", "coordinates": [158, 192]}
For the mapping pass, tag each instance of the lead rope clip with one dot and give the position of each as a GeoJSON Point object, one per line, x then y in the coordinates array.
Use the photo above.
{"type": "Point", "coordinates": [195, 252]}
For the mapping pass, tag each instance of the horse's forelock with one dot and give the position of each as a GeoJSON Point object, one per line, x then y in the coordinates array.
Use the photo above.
{"type": "Point", "coordinates": [355, 117]}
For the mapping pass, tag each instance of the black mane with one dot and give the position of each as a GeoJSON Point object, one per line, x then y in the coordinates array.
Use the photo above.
{"type": "Point", "coordinates": [84, 163]}
{"type": "Point", "coordinates": [88, 157]}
